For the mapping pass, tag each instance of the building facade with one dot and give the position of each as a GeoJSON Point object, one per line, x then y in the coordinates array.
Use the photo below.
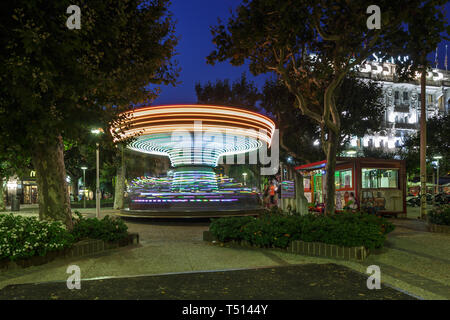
{"type": "Point", "coordinates": [402, 99]}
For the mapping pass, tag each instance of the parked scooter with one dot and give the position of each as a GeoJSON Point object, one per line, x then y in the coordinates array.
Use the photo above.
{"type": "Point", "coordinates": [442, 198]}
{"type": "Point", "coordinates": [412, 200]}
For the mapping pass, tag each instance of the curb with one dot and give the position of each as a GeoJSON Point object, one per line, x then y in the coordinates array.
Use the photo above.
{"type": "Point", "coordinates": [317, 249]}
{"type": "Point", "coordinates": [79, 249]}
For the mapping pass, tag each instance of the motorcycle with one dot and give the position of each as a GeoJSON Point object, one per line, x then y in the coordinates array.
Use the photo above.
{"type": "Point", "coordinates": [412, 200]}
{"type": "Point", "coordinates": [442, 198]}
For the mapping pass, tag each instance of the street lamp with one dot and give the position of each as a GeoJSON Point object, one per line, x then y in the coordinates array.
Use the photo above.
{"type": "Point", "coordinates": [245, 176]}
{"type": "Point", "coordinates": [437, 158]}
{"type": "Point", "coordinates": [84, 186]}
{"type": "Point", "coordinates": [97, 190]}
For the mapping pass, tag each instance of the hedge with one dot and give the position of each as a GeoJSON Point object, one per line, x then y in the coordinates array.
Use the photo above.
{"type": "Point", "coordinates": [440, 215]}
{"type": "Point", "coordinates": [345, 229]}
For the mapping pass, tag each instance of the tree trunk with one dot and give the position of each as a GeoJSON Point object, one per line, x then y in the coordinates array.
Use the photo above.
{"type": "Point", "coordinates": [301, 203]}
{"type": "Point", "coordinates": [2, 195]}
{"type": "Point", "coordinates": [330, 169]}
{"type": "Point", "coordinates": [74, 184]}
{"type": "Point", "coordinates": [120, 185]}
{"type": "Point", "coordinates": [423, 147]}
{"type": "Point", "coordinates": [54, 202]}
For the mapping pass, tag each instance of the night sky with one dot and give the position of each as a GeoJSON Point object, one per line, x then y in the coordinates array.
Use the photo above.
{"type": "Point", "coordinates": [193, 20]}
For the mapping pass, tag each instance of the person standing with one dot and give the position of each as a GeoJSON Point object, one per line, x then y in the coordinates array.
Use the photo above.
{"type": "Point", "coordinates": [272, 192]}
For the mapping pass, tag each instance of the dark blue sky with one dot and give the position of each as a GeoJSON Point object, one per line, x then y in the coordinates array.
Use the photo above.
{"type": "Point", "coordinates": [193, 20]}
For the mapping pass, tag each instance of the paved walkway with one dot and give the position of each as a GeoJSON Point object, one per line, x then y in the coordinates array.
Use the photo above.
{"type": "Point", "coordinates": [413, 260]}
{"type": "Point", "coordinates": [301, 282]}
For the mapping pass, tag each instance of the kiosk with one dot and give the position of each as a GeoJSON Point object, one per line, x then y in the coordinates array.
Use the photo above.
{"type": "Point", "coordinates": [373, 185]}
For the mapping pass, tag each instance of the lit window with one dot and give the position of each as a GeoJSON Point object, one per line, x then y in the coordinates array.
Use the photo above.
{"type": "Point", "coordinates": [405, 95]}
{"type": "Point", "coordinates": [307, 184]}
{"type": "Point", "coordinates": [343, 179]}
{"type": "Point", "coordinates": [380, 178]}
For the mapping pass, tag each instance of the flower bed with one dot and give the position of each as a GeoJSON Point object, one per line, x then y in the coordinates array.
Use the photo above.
{"type": "Point", "coordinates": [26, 237]}
{"type": "Point", "coordinates": [345, 230]}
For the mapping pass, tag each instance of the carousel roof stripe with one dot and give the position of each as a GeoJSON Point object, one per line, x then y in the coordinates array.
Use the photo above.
{"type": "Point", "coordinates": [224, 131]}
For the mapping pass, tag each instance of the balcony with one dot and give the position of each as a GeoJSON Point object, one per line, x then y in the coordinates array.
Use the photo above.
{"type": "Point", "coordinates": [401, 108]}
{"type": "Point", "coordinates": [404, 125]}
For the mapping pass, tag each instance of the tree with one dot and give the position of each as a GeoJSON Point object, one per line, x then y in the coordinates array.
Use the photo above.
{"type": "Point", "coordinates": [241, 93]}
{"type": "Point", "coordinates": [312, 46]}
{"type": "Point", "coordinates": [358, 102]}
{"type": "Point", "coordinates": [426, 27]}
{"type": "Point", "coordinates": [58, 83]}
{"type": "Point", "coordinates": [438, 144]}
{"type": "Point", "coordinates": [299, 144]}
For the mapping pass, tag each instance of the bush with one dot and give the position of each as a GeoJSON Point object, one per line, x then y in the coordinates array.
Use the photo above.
{"type": "Point", "coordinates": [440, 215]}
{"type": "Point", "coordinates": [269, 231]}
{"type": "Point", "coordinates": [24, 237]}
{"type": "Point", "coordinates": [107, 229]}
{"type": "Point", "coordinates": [225, 229]}
{"type": "Point", "coordinates": [345, 229]}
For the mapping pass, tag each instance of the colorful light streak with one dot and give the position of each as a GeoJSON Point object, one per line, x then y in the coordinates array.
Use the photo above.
{"type": "Point", "coordinates": [195, 134]}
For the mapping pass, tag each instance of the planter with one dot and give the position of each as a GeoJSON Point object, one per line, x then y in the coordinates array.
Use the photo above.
{"type": "Point", "coordinates": [439, 228]}
{"type": "Point", "coordinates": [79, 249]}
{"type": "Point", "coordinates": [317, 249]}
{"type": "Point", "coordinates": [328, 250]}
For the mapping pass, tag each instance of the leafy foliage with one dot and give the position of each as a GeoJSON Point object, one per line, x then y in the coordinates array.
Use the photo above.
{"type": "Point", "coordinates": [24, 237]}
{"type": "Point", "coordinates": [240, 93]}
{"type": "Point", "coordinates": [345, 229]}
{"type": "Point", "coordinates": [438, 143]}
{"type": "Point", "coordinates": [440, 215]}
{"type": "Point", "coordinates": [107, 229]}
{"type": "Point", "coordinates": [312, 46]}
{"type": "Point", "coordinates": [359, 103]}
{"type": "Point", "coordinates": [57, 83]}
{"type": "Point", "coordinates": [229, 228]}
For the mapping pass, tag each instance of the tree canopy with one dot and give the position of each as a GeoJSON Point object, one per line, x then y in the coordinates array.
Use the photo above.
{"type": "Point", "coordinates": [57, 83]}
{"type": "Point", "coordinates": [312, 46]}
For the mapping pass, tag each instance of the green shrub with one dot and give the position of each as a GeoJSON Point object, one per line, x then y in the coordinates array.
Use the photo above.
{"type": "Point", "coordinates": [345, 229]}
{"type": "Point", "coordinates": [229, 228]}
{"type": "Point", "coordinates": [24, 237]}
{"type": "Point", "coordinates": [107, 229]}
{"type": "Point", "coordinates": [440, 215]}
{"type": "Point", "coordinates": [269, 231]}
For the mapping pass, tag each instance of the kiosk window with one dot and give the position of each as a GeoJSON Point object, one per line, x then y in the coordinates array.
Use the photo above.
{"type": "Point", "coordinates": [307, 184]}
{"type": "Point", "coordinates": [380, 178]}
{"type": "Point", "coordinates": [343, 179]}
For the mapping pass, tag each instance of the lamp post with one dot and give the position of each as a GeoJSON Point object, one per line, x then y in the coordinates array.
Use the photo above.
{"type": "Point", "coordinates": [84, 186]}
{"type": "Point", "coordinates": [437, 182]}
{"type": "Point", "coordinates": [245, 176]}
{"type": "Point", "coordinates": [97, 190]}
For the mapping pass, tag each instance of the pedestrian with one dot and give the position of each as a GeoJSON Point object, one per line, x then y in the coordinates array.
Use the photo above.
{"type": "Point", "coordinates": [272, 192]}
{"type": "Point", "coordinates": [352, 202]}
